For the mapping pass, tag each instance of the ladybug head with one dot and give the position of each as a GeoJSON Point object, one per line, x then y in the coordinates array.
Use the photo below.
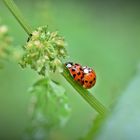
{"type": "Point", "coordinates": [69, 64]}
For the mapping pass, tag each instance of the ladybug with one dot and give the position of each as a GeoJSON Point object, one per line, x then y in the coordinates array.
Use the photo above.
{"type": "Point", "coordinates": [76, 71]}
{"type": "Point", "coordinates": [89, 78]}
{"type": "Point", "coordinates": [85, 76]}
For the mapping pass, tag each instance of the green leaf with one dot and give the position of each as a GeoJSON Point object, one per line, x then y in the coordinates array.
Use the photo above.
{"type": "Point", "coordinates": [124, 122]}
{"type": "Point", "coordinates": [49, 109]}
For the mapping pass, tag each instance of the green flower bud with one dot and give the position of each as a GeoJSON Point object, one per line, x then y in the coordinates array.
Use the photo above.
{"type": "Point", "coordinates": [44, 51]}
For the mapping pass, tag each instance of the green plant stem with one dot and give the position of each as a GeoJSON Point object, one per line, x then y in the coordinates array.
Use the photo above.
{"type": "Point", "coordinates": [16, 13]}
{"type": "Point", "coordinates": [83, 92]}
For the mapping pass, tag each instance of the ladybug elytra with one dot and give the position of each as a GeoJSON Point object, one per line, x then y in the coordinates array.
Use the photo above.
{"type": "Point", "coordinates": [76, 71]}
{"type": "Point", "coordinates": [83, 75]}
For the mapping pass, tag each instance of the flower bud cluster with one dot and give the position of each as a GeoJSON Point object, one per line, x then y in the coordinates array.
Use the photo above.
{"type": "Point", "coordinates": [44, 51]}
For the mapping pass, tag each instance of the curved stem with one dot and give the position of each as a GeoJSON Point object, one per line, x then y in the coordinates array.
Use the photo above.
{"type": "Point", "coordinates": [83, 92]}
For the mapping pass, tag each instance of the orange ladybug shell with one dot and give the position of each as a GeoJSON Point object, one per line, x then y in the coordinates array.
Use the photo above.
{"type": "Point", "coordinates": [77, 73]}
{"type": "Point", "coordinates": [89, 79]}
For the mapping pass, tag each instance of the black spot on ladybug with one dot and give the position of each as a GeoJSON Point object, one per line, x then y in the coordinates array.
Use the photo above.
{"type": "Point", "coordinates": [90, 82]}
{"type": "Point", "coordinates": [94, 79]}
{"type": "Point", "coordinates": [81, 69]}
{"type": "Point", "coordinates": [86, 81]}
{"type": "Point", "coordinates": [74, 75]}
{"type": "Point", "coordinates": [78, 73]}
{"type": "Point", "coordinates": [84, 73]}
{"type": "Point", "coordinates": [73, 69]}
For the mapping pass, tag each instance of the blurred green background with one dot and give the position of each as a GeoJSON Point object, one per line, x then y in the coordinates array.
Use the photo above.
{"type": "Point", "coordinates": [100, 34]}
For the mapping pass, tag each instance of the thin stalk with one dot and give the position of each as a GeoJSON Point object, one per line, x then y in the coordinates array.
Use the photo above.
{"type": "Point", "coordinates": [17, 14]}
{"type": "Point", "coordinates": [91, 100]}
